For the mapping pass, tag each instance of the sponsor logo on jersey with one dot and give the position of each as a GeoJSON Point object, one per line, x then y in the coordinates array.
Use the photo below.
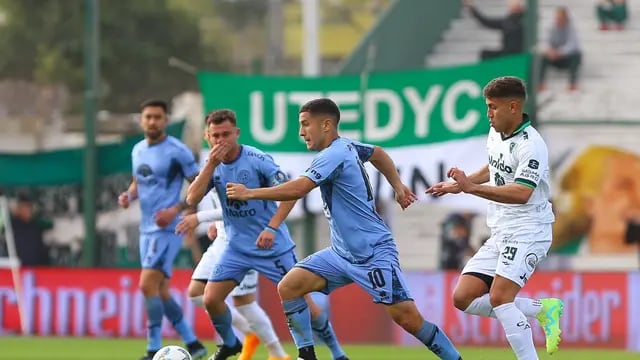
{"type": "Point", "coordinates": [499, 164]}
{"type": "Point", "coordinates": [238, 209]}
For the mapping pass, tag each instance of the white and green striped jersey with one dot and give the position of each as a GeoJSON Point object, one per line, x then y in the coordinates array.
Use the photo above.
{"type": "Point", "coordinates": [520, 158]}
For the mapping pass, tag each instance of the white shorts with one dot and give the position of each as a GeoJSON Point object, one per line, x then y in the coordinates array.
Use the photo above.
{"type": "Point", "coordinates": [512, 252]}
{"type": "Point", "coordinates": [249, 283]}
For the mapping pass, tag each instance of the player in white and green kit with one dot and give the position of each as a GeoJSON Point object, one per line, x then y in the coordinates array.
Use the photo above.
{"type": "Point", "coordinates": [516, 183]}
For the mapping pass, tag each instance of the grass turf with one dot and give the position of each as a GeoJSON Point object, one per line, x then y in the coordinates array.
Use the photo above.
{"type": "Point", "coordinates": [19, 348]}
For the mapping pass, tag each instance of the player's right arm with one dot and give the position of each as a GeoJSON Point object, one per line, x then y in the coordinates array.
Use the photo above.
{"type": "Point", "coordinates": [480, 176]}
{"type": "Point", "coordinates": [128, 196]}
{"type": "Point", "coordinates": [191, 221]}
{"type": "Point", "coordinates": [202, 183]}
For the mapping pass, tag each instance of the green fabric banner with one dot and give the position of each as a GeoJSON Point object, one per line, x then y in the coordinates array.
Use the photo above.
{"type": "Point", "coordinates": [61, 167]}
{"type": "Point", "coordinates": [388, 109]}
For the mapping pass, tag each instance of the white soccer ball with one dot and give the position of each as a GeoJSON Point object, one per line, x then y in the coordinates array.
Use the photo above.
{"type": "Point", "coordinates": [172, 352]}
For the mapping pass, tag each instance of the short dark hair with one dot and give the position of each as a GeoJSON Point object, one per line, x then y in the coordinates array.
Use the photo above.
{"type": "Point", "coordinates": [505, 87]}
{"type": "Point", "coordinates": [155, 103]}
{"type": "Point", "coordinates": [219, 116]}
{"type": "Point", "coordinates": [322, 106]}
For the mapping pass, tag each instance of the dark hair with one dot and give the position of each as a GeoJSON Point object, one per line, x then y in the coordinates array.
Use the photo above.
{"type": "Point", "coordinates": [322, 106]}
{"type": "Point", "coordinates": [219, 116]}
{"type": "Point", "coordinates": [505, 87]}
{"type": "Point", "coordinates": [155, 103]}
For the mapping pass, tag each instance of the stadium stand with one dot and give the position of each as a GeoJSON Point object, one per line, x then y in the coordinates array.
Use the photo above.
{"type": "Point", "coordinates": [609, 61]}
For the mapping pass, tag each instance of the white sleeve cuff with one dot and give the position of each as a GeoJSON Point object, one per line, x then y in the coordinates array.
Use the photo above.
{"type": "Point", "coordinates": [209, 215]}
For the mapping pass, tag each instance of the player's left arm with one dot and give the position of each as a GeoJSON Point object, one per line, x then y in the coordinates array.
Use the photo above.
{"type": "Point", "coordinates": [189, 170]}
{"type": "Point", "coordinates": [383, 163]}
{"type": "Point", "coordinates": [533, 161]}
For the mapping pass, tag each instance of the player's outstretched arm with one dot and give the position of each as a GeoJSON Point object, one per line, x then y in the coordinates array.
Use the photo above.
{"type": "Point", "coordinates": [291, 190]}
{"type": "Point", "coordinates": [506, 194]}
{"type": "Point", "coordinates": [481, 176]}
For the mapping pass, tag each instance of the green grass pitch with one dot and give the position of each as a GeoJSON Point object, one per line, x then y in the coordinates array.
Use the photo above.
{"type": "Point", "coordinates": [19, 348]}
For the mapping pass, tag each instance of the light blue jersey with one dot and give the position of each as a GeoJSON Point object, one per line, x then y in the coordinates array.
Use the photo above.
{"type": "Point", "coordinates": [245, 220]}
{"type": "Point", "coordinates": [160, 170]}
{"type": "Point", "coordinates": [349, 205]}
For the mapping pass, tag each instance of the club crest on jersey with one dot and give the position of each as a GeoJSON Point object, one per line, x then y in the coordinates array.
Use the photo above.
{"type": "Point", "coordinates": [534, 164]}
{"type": "Point", "coordinates": [243, 176]}
{"type": "Point", "coordinates": [499, 164]}
{"type": "Point", "coordinates": [511, 147]}
{"type": "Point", "coordinates": [144, 170]}
{"type": "Point", "coordinates": [280, 177]}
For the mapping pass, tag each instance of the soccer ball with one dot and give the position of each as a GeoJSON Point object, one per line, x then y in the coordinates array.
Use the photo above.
{"type": "Point", "coordinates": [172, 352]}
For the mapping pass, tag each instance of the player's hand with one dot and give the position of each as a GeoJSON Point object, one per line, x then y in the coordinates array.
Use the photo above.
{"type": "Point", "coordinates": [212, 231]}
{"type": "Point", "coordinates": [123, 200]}
{"type": "Point", "coordinates": [265, 239]}
{"type": "Point", "coordinates": [461, 178]}
{"type": "Point", "coordinates": [443, 188]}
{"type": "Point", "coordinates": [237, 192]}
{"type": "Point", "coordinates": [404, 196]}
{"type": "Point", "coordinates": [165, 216]}
{"type": "Point", "coordinates": [187, 224]}
{"type": "Point", "coordinates": [219, 152]}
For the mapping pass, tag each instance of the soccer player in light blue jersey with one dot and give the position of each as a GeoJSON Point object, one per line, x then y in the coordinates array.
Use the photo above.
{"type": "Point", "coordinates": [258, 237]}
{"type": "Point", "coordinates": [362, 247]}
{"type": "Point", "coordinates": [161, 163]}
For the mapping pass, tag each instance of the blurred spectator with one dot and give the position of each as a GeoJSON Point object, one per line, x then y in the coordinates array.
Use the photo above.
{"type": "Point", "coordinates": [612, 12]}
{"type": "Point", "coordinates": [456, 235]}
{"type": "Point", "coordinates": [28, 232]}
{"type": "Point", "coordinates": [562, 49]}
{"type": "Point", "coordinates": [511, 26]}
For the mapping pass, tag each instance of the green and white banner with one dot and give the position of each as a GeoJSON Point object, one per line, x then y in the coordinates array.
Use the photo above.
{"type": "Point", "coordinates": [428, 120]}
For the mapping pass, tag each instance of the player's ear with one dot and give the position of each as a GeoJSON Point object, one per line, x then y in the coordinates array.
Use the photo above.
{"type": "Point", "coordinates": [326, 124]}
{"type": "Point", "coordinates": [513, 106]}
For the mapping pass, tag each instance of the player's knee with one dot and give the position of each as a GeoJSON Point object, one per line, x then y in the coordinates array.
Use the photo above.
{"type": "Point", "coordinates": [196, 289]}
{"type": "Point", "coordinates": [149, 288]}
{"type": "Point", "coordinates": [212, 303]}
{"type": "Point", "coordinates": [497, 298]}
{"type": "Point", "coordinates": [409, 320]}
{"type": "Point", "coordinates": [461, 300]}
{"type": "Point", "coordinates": [289, 289]}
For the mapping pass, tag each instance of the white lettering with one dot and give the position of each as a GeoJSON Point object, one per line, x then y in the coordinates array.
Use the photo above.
{"type": "Point", "coordinates": [373, 99]}
{"type": "Point", "coordinates": [70, 301]}
{"type": "Point", "coordinates": [422, 108]}
{"type": "Point", "coordinates": [449, 116]}
{"type": "Point", "coordinates": [257, 117]}
{"type": "Point", "coordinates": [42, 296]}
